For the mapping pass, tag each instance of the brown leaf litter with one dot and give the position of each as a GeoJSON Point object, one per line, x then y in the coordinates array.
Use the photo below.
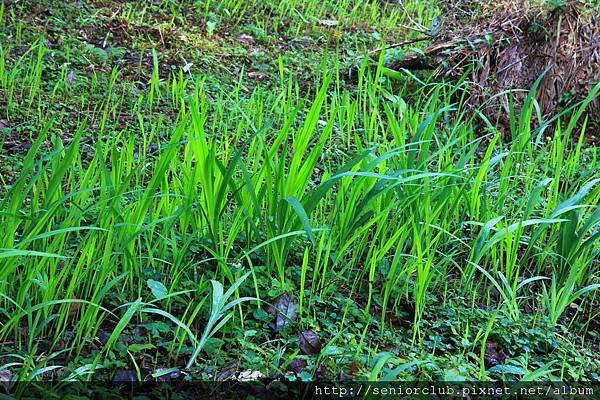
{"type": "Point", "coordinates": [508, 45]}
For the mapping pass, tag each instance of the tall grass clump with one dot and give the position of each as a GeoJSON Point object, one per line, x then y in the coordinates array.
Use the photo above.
{"type": "Point", "coordinates": [394, 196]}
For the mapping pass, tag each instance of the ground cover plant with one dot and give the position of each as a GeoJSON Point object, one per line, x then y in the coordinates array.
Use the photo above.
{"type": "Point", "coordinates": [235, 189]}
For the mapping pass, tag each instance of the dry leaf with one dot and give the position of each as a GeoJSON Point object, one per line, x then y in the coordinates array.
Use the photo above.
{"type": "Point", "coordinates": [494, 355]}
{"type": "Point", "coordinates": [71, 78]}
{"type": "Point", "coordinates": [309, 343]}
{"type": "Point", "coordinates": [284, 311]}
{"type": "Point", "coordinates": [5, 379]}
{"type": "Point", "coordinates": [328, 22]}
{"type": "Point", "coordinates": [228, 372]}
{"type": "Point", "coordinates": [187, 67]}
{"type": "Point", "coordinates": [249, 375]}
{"type": "Point", "coordinates": [297, 365]}
{"type": "Point", "coordinates": [346, 377]}
{"type": "Point", "coordinates": [125, 376]}
{"type": "Point", "coordinates": [246, 39]}
{"type": "Point", "coordinates": [256, 76]}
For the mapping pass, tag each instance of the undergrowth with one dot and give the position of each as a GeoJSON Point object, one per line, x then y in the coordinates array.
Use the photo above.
{"type": "Point", "coordinates": [412, 234]}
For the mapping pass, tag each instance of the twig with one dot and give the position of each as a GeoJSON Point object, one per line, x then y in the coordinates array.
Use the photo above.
{"type": "Point", "coordinates": [400, 44]}
{"type": "Point", "coordinates": [418, 25]}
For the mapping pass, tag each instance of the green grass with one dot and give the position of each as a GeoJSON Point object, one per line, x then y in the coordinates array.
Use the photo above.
{"type": "Point", "coordinates": [374, 203]}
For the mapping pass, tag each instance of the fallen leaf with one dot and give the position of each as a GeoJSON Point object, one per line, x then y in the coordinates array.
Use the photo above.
{"type": "Point", "coordinates": [493, 355]}
{"type": "Point", "coordinates": [297, 365]}
{"type": "Point", "coordinates": [187, 67]}
{"type": "Point", "coordinates": [50, 44]}
{"type": "Point", "coordinates": [256, 75]}
{"type": "Point", "coordinates": [249, 375]}
{"type": "Point", "coordinates": [322, 371]}
{"type": "Point", "coordinates": [74, 309]}
{"type": "Point", "coordinates": [103, 337]}
{"type": "Point", "coordinates": [284, 311]}
{"type": "Point", "coordinates": [125, 376]}
{"type": "Point", "coordinates": [71, 78]}
{"type": "Point", "coordinates": [228, 371]}
{"type": "Point", "coordinates": [310, 343]}
{"type": "Point", "coordinates": [328, 22]}
{"type": "Point", "coordinates": [346, 377]}
{"type": "Point", "coordinates": [5, 379]}
{"type": "Point", "coordinates": [355, 366]}
{"type": "Point", "coordinates": [246, 39]}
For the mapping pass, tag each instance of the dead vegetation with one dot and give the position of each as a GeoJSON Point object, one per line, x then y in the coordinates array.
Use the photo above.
{"type": "Point", "coordinates": [508, 45]}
